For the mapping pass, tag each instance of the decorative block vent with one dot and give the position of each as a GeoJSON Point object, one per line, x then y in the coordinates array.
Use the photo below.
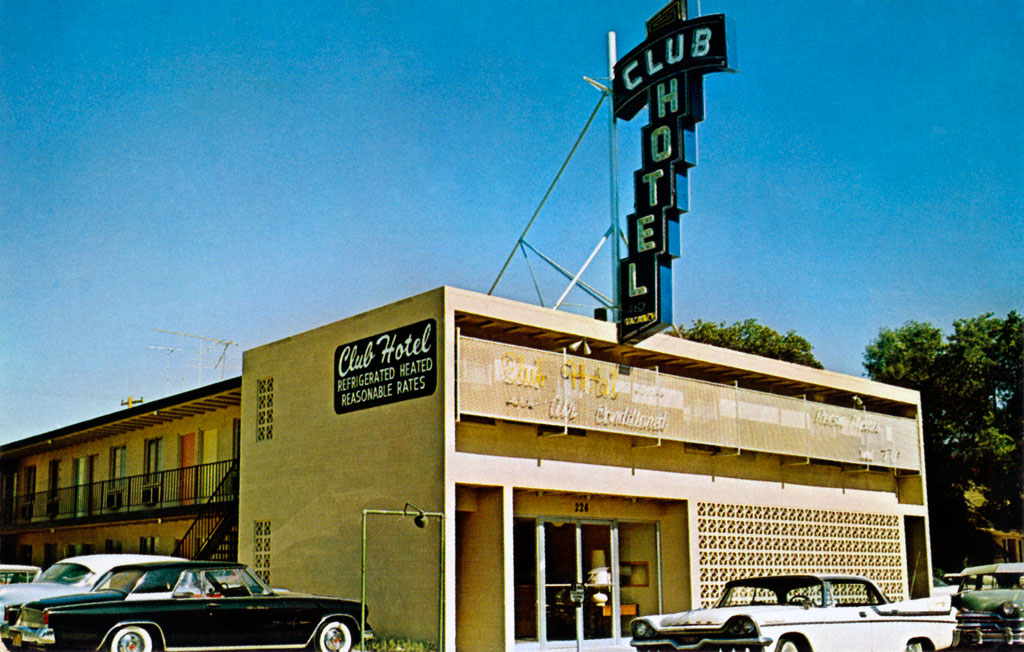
{"type": "Point", "coordinates": [737, 541]}
{"type": "Point", "coordinates": [261, 549]}
{"type": "Point", "coordinates": [264, 409]}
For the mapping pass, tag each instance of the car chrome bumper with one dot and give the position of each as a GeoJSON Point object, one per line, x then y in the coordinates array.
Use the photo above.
{"type": "Point", "coordinates": [751, 644]}
{"type": "Point", "coordinates": [968, 637]}
{"type": "Point", "coordinates": [20, 634]}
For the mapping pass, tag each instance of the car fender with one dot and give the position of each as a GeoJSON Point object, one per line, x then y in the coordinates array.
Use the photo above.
{"type": "Point", "coordinates": [148, 624]}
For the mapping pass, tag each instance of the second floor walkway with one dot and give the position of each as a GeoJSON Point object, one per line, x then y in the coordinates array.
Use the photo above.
{"type": "Point", "coordinates": [182, 490]}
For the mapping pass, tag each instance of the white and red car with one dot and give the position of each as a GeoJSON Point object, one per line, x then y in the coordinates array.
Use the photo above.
{"type": "Point", "coordinates": [802, 613]}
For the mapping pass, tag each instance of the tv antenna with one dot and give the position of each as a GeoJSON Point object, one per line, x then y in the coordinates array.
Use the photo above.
{"type": "Point", "coordinates": [167, 367]}
{"type": "Point", "coordinates": [204, 348]}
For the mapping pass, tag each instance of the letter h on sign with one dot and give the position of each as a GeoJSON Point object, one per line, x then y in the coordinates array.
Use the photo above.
{"type": "Point", "coordinates": [665, 73]}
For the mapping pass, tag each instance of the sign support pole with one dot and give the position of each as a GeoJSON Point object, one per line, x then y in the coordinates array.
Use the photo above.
{"type": "Point", "coordinates": [613, 163]}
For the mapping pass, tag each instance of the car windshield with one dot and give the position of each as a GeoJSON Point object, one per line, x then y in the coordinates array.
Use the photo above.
{"type": "Point", "coordinates": [988, 581]}
{"type": "Point", "coordinates": [772, 591]}
{"type": "Point", "coordinates": [71, 574]}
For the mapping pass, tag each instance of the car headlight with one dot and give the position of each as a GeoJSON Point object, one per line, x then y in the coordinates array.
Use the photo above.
{"type": "Point", "coordinates": [1009, 609]}
{"type": "Point", "coordinates": [642, 629]}
{"type": "Point", "coordinates": [740, 626]}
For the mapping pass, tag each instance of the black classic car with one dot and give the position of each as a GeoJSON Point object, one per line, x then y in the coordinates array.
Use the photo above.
{"type": "Point", "coordinates": [190, 605]}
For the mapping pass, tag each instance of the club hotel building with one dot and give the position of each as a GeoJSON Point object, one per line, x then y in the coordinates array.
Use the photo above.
{"type": "Point", "coordinates": [546, 460]}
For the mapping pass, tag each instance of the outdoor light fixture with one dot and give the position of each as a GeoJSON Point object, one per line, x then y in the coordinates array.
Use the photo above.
{"type": "Point", "coordinates": [420, 520]}
{"type": "Point", "coordinates": [575, 346]}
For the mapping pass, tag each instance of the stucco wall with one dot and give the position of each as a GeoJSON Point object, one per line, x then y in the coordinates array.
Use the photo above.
{"type": "Point", "coordinates": [321, 469]}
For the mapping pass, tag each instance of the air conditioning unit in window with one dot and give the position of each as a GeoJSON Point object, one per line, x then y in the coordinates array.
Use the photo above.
{"type": "Point", "coordinates": [26, 511]}
{"type": "Point", "coordinates": [114, 500]}
{"type": "Point", "coordinates": [151, 495]}
{"type": "Point", "coordinates": [52, 508]}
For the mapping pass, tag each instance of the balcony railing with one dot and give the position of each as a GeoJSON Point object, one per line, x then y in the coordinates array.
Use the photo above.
{"type": "Point", "coordinates": [184, 487]}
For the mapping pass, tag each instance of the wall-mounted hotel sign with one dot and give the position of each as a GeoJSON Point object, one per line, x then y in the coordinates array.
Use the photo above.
{"type": "Point", "coordinates": [386, 368]}
{"type": "Point", "coordinates": [561, 392]}
{"type": "Point", "coordinates": [665, 72]}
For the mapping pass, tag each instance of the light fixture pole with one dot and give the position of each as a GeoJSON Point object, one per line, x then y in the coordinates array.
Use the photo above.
{"type": "Point", "coordinates": [420, 519]}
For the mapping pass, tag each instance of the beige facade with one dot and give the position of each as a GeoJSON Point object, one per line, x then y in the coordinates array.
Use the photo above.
{"type": "Point", "coordinates": [639, 477]}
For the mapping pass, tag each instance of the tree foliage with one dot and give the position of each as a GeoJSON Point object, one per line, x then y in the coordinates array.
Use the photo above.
{"type": "Point", "coordinates": [972, 413]}
{"type": "Point", "coordinates": [752, 337]}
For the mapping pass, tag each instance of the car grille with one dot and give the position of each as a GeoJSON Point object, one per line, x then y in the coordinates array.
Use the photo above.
{"type": "Point", "coordinates": [979, 627]}
{"type": "Point", "coordinates": [989, 622]}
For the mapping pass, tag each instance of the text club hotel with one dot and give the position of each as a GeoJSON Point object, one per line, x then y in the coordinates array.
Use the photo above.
{"type": "Point", "coordinates": [569, 473]}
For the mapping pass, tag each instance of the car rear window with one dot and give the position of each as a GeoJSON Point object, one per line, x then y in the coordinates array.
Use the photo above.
{"type": "Point", "coordinates": [62, 573]}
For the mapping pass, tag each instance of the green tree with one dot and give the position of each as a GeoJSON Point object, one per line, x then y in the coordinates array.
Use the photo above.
{"type": "Point", "coordinates": [972, 414]}
{"type": "Point", "coordinates": [752, 337]}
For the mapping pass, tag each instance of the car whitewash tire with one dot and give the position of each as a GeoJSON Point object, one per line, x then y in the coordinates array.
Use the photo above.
{"type": "Point", "coordinates": [131, 639]}
{"type": "Point", "coordinates": [334, 636]}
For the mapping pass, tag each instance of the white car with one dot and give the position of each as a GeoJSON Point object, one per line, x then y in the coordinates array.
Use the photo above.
{"type": "Point", "coordinates": [68, 576]}
{"type": "Point", "coordinates": [802, 613]}
{"type": "Point", "coordinates": [18, 574]}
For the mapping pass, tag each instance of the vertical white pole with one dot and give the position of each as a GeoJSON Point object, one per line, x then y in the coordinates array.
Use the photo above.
{"type": "Point", "coordinates": [613, 154]}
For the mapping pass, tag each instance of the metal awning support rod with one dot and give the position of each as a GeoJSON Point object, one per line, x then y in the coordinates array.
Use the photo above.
{"type": "Point", "coordinates": [548, 193]}
{"type": "Point", "coordinates": [564, 272]}
{"type": "Point", "coordinates": [533, 275]}
{"type": "Point", "coordinates": [576, 278]}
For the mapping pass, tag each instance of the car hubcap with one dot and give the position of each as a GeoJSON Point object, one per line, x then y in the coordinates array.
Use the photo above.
{"type": "Point", "coordinates": [334, 639]}
{"type": "Point", "coordinates": [130, 643]}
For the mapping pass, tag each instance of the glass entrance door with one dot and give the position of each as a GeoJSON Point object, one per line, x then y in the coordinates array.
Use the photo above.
{"type": "Point", "coordinates": [579, 587]}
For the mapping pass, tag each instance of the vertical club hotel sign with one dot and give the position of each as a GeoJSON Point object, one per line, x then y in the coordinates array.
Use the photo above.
{"type": "Point", "coordinates": [666, 73]}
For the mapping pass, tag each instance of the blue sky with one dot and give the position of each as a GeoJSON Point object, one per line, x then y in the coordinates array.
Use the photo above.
{"type": "Point", "coordinates": [249, 170]}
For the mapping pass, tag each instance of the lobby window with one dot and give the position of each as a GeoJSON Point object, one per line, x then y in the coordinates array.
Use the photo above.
{"type": "Point", "coordinates": [149, 545]}
{"type": "Point", "coordinates": [113, 547]}
{"type": "Point", "coordinates": [264, 409]}
{"type": "Point", "coordinates": [25, 554]}
{"type": "Point", "coordinates": [261, 549]}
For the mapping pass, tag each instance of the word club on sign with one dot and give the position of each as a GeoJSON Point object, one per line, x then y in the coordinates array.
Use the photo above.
{"type": "Point", "coordinates": [665, 72]}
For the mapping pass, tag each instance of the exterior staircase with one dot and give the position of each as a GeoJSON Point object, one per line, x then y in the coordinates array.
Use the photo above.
{"type": "Point", "coordinates": [213, 535]}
